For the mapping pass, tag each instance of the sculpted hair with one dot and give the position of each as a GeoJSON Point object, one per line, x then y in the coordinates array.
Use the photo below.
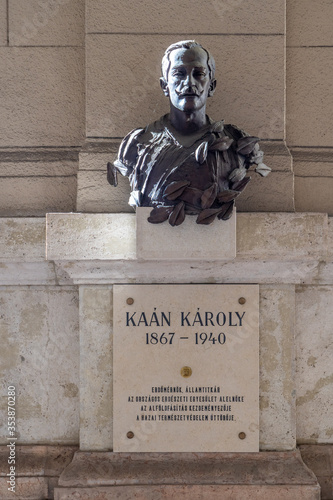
{"type": "Point", "coordinates": [186, 44]}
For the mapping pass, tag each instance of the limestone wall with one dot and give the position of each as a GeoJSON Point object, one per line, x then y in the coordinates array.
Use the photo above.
{"type": "Point", "coordinates": [309, 102]}
{"type": "Point", "coordinates": [75, 76]}
{"type": "Point", "coordinates": [42, 104]}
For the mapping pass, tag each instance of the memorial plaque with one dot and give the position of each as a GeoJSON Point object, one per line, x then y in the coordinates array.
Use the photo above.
{"type": "Point", "coordinates": [186, 368]}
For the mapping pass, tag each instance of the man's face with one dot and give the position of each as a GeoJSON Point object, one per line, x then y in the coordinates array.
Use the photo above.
{"type": "Point", "coordinates": [188, 79]}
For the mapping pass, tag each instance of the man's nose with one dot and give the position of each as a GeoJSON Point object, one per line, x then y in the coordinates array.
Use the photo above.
{"type": "Point", "coordinates": [189, 80]}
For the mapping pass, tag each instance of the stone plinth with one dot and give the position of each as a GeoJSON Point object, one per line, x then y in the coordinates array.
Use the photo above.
{"type": "Point", "coordinates": [37, 470]}
{"type": "Point", "coordinates": [189, 241]}
{"type": "Point", "coordinates": [192, 476]}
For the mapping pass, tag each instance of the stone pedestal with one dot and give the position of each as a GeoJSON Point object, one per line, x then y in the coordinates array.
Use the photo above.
{"type": "Point", "coordinates": [281, 253]}
{"type": "Point", "coordinates": [190, 476]}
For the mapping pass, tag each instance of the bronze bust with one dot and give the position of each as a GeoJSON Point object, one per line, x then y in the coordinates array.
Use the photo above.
{"type": "Point", "coordinates": [184, 163]}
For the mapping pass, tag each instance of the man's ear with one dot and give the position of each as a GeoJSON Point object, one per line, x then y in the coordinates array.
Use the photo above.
{"type": "Point", "coordinates": [212, 87]}
{"type": "Point", "coordinates": [164, 86]}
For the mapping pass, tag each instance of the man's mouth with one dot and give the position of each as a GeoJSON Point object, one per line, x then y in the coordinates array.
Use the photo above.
{"type": "Point", "coordinates": [188, 94]}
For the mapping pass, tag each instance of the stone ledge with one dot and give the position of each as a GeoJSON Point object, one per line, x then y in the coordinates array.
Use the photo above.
{"type": "Point", "coordinates": [100, 249]}
{"type": "Point", "coordinates": [108, 469]}
{"type": "Point", "coordinates": [38, 460]}
{"type": "Point", "coordinates": [283, 475]}
{"type": "Point", "coordinates": [260, 236]}
{"type": "Point", "coordinates": [37, 470]}
{"type": "Point", "coordinates": [319, 458]}
{"type": "Point", "coordinates": [190, 492]}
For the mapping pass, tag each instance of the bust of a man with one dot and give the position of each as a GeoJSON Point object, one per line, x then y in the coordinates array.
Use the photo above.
{"type": "Point", "coordinates": [185, 163]}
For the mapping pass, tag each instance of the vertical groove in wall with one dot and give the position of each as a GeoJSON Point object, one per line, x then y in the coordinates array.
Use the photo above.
{"type": "Point", "coordinates": [285, 72]}
{"type": "Point", "coordinates": [7, 6]}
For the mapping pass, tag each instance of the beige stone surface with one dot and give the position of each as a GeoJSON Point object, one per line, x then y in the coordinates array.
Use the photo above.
{"type": "Point", "coordinates": [309, 23]}
{"type": "Point", "coordinates": [27, 488]}
{"type": "Point", "coordinates": [330, 238]}
{"type": "Point", "coordinates": [293, 236]}
{"type": "Point", "coordinates": [309, 94]}
{"type": "Point", "coordinates": [277, 370]}
{"type": "Point", "coordinates": [30, 273]}
{"type": "Point", "coordinates": [313, 169]}
{"type": "Point", "coordinates": [90, 236]}
{"type": "Point", "coordinates": [319, 459]}
{"type": "Point", "coordinates": [277, 155]}
{"type": "Point", "coordinates": [123, 89]}
{"type": "Point", "coordinates": [35, 196]}
{"type": "Point", "coordinates": [220, 398]}
{"type": "Point", "coordinates": [314, 194]}
{"type": "Point", "coordinates": [268, 236]}
{"type": "Point", "coordinates": [314, 375]}
{"type": "Point", "coordinates": [193, 492]}
{"type": "Point", "coordinates": [96, 368]}
{"type": "Point", "coordinates": [37, 469]}
{"type": "Point", "coordinates": [189, 241]}
{"type": "Point", "coordinates": [217, 16]}
{"type": "Point", "coordinates": [24, 163]}
{"type": "Point", "coordinates": [3, 22]}
{"type": "Point", "coordinates": [229, 475]}
{"type": "Point", "coordinates": [22, 239]}
{"type": "Point", "coordinates": [235, 271]}
{"type": "Point", "coordinates": [109, 469]}
{"type": "Point", "coordinates": [36, 181]}
{"type": "Point", "coordinates": [38, 460]}
{"type": "Point", "coordinates": [274, 193]}
{"type": "Point", "coordinates": [40, 357]}
{"type": "Point", "coordinates": [42, 97]}
{"type": "Point", "coordinates": [46, 23]}
{"type": "Point", "coordinates": [95, 194]}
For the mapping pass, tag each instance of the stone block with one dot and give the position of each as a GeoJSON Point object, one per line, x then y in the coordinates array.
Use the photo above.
{"type": "Point", "coordinates": [313, 169]}
{"type": "Point", "coordinates": [309, 23]}
{"type": "Point", "coordinates": [330, 238]}
{"type": "Point", "coordinates": [279, 476]}
{"type": "Point", "coordinates": [270, 236]}
{"type": "Point", "coordinates": [266, 236]}
{"type": "Point", "coordinates": [96, 340]}
{"type": "Point", "coordinates": [193, 492]}
{"type": "Point", "coordinates": [34, 461]}
{"type": "Point", "coordinates": [40, 357]}
{"type": "Point", "coordinates": [22, 240]}
{"type": "Point", "coordinates": [184, 242]}
{"type": "Point", "coordinates": [319, 458]}
{"type": "Point", "coordinates": [90, 236]}
{"type": "Point", "coordinates": [274, 193]}
{"type": "Point", "coordinates": [37, 181]}
{"type": "Point", "coordinates": [277, 370]}
{"type": "Point", "coordinates": [230, 16]}
{"type": "Point", "coordinates": [46, 23]}
{"type": "Point", "coordinates": [27, 488]}
{"type": "Point", "coordinates": [309, 92]}
{"type": "Point", "coordinates": [277, 155]}
{"type": "Point", "coordinates": [29, 273]}
{"type": "Point", "coordinates": [94, 193]}
{"type": "Point", "coordinates": [123, 89]}
{"type": "Point", "coordinates": [314, 194]}
{"type": "Point", "coordinates": [35, 196]}
{"type": "Point", "coordinates": [42, 98]}
{"type": "Point", "coordinates": [314, 373]}
{"type": "Point", "coordinates": [3, 22]}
